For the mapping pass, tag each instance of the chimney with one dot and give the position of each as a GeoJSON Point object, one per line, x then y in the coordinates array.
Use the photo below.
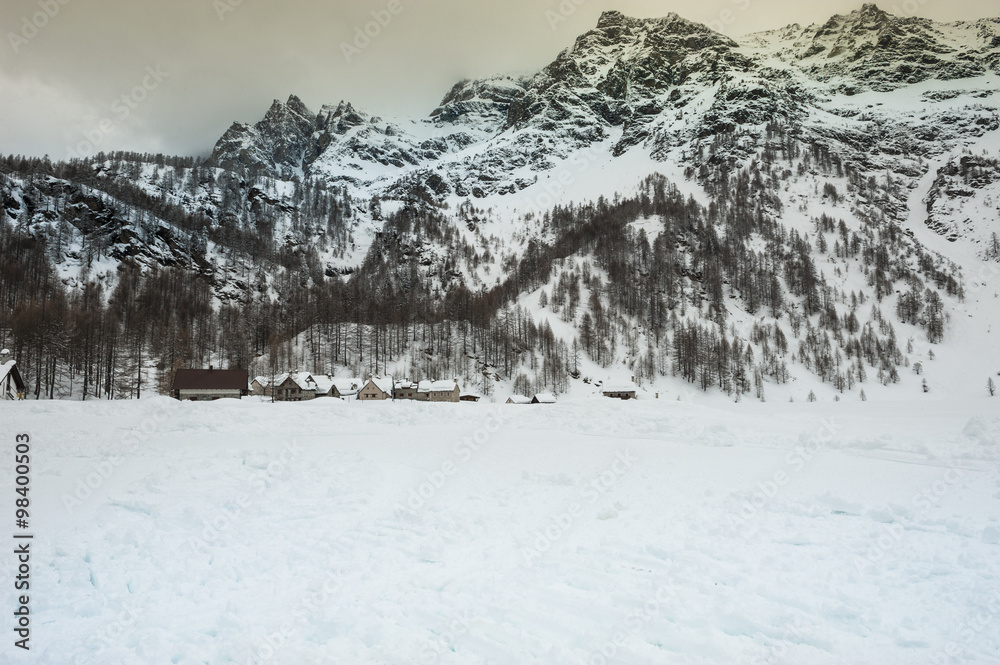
{"type": "Point", "coordinates": [5, 355]}
{"type": "Point", "coordinates": [211, 368]}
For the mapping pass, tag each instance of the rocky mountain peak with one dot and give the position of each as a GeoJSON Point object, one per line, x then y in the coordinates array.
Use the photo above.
{"type": "Point", "coordinates": [875, 50]}
{"type": "Point", "coordinates": [296, 105]}
{"type": "Point", "coordinates": [292, 115]}
{"type": "Point", "coordinates": [278, 144]}
{"type": "Point", "coordinates": [624, 72]}
{"type": "Point", "coordinates": [611, 18]}
{"type": "Point", "coordinates": [613, 27]}
{"type": "Point", "coordinates": [870, 10]}
{"type": "Point", "coordinates": [654, 82]}
{"type": "Point", "coordinates": [340, 119]}
{"type": "Point", "coordinates": [614, 20]}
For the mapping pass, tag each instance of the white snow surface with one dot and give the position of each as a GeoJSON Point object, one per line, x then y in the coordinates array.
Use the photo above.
{"type": "Point", "coordinates": [591, 531]}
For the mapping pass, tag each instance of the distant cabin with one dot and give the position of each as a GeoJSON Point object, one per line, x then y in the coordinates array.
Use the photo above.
{"type": "Point", "coordinates": [441, 391]}
{"type": "Point", "coordinates": [11, 384]}
{"type": "Point", "coordinates": [206, 385]}
{"type": "Point", "coordinates": [331, 386]}
{"type": "Point", "coordinates": [623, 392]}
{"type": "Point", "coordinates": [408, 390]}
{"type": "Point", "coordinates": [294, 387]}
{"type": "Point", "coordinates": [376, 390]}
{"type": "Point", "coordinates": [344, 388]}
{"type": "Point", "coordinates": [519, 399]}
{"type": "Point", "coordinates": [261, 386]}
{"type": "Point", "coordinates": [323, 385]}
{"type": "Point", "coordinates": [428, 391]}
{"type": "Point", "coordinates": [543, 398]}
{"type": "Point", "coordinates": [469, 397]}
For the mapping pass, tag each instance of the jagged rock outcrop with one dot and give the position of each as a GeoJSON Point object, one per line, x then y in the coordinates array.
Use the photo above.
{"type": "Point", "coordinates": [647, 84]}
{"type": "Point", "coordinates": [870, 49]}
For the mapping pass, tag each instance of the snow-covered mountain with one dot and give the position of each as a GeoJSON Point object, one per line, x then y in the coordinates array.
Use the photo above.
{"type": "Point", "coordinates": [861, 153]}
{"type": "Point", "coordinates": [652, 85]}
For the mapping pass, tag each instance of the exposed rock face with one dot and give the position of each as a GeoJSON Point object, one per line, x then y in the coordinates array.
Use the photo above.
{"type": "Point", "coordinates": [642, 84]}
{"type": "Point", "coordinates": [622, 74]}
{"type": "Point", "coordinates": [874, 50]}
{"type": "Point", "coordinates": [482, 102]}
{"type": "Point", "coordinates": [279, 143]}
{"type": "Point", "coordinates": [964, 201]}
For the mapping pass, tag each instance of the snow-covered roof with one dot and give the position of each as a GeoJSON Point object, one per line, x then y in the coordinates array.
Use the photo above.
{"type": "Point", "coordinates": [437, 386]}
{"type": "Point", "coordinates": [619, 388]}
{"type": "Point", "coordinates": [323, 383]}
{"type": "Point", "coordinates": [347, 386]}
{"type": "Point", "coordinates": [303, 380]}
{"type": "Point", "coordinates": [5, 369]}
{"type": "Point", "coordinates": [545, 398]}
{"type": "Point", "coordinates": [519, 399]}
{"type": "Point", "coordinates": [383, 384]}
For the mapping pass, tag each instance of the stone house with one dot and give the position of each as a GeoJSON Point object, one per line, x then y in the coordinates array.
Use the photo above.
{"type": "Point", "coordinates": [376, 390]}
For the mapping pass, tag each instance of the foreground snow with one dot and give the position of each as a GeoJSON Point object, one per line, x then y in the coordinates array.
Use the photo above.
{"type": "Point", "coordinates": [587, 532]}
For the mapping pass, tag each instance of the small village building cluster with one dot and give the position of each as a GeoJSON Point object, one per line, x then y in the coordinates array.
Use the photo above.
{"type": "Point", "coordinates": [212, 384]}
{"type": "Point", "coordinates": [302, 387]}
{"type": "Point", "coordinates": [201, 385]}
{"type": "Point", "coordinates": [376, 389]}
{"type": "Point", "coordinates": [428, 391]}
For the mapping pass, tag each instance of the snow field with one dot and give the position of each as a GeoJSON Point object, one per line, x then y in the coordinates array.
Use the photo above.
{"type": "Point", "coordinates": [592, 531]}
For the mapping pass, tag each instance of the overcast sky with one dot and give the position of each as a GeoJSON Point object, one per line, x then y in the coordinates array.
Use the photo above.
{"type": "Point", "coordinates": [188, 68]}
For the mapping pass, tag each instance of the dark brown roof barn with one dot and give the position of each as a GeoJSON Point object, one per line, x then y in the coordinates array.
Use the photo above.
{"type": "Point", "coordinates": [211, 379]}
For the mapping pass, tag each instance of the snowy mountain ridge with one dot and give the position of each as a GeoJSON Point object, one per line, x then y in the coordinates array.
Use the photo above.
{"type": "Point", "coordinates": [657, 184]}
{"type": "Point", "coordinates": [661, 82]}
